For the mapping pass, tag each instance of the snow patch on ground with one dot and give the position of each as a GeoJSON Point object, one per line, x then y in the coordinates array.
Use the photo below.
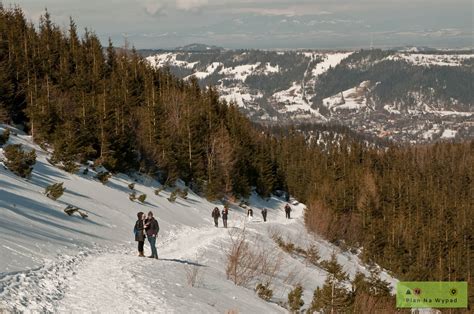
{"type": "Point", "coordinates": [169, 59]}
{"type": "Point", "coordinates": [240, 72]}
{"type": "Point", "coordinates": [209, 71]}
{"type": "Point", "coordinates": [423, 59]}
{"type": "Point", "coordinates": [351, 99]}
{"type": "Point", "coordinates": [448, 133]}
{"type": "Point", "coordinates": [330, 60]}
{"type": "Point", "coordinates": [239, 95]}
{"type": "Point", "coordinates": [293, 100]}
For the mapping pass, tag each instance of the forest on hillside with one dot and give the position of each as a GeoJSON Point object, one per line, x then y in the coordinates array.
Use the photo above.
{"type": "Point", "coordinates": [397, 80]}
{"type": "Point", "coordinates": [409, 207]}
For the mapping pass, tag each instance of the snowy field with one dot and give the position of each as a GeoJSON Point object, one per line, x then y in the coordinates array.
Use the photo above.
{"type": "Point", "coordinates": [53, 262]}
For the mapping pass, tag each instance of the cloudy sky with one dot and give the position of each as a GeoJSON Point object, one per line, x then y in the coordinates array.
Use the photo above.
{"type": "Point", "coordinates": [266, 24]}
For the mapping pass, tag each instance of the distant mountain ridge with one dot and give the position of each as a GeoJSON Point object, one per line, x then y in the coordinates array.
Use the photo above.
{"type": "Point", "coordinates": [409, 95]}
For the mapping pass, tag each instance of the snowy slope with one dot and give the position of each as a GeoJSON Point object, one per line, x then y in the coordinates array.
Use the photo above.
{"type": "Point", "coordinates": [351, 99]}
{"type": "Point", "coordinates": [426, 59]}
{"type": "Point", "coordinates": [330, 60]}
{"type": "Point", "coordinates": [52, 262]}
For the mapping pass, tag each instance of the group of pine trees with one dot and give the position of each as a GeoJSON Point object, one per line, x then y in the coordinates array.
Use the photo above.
{"type": "Point", "coordinates": [410, 208]}
{"type": "Point", "coordinates": [111, 106]}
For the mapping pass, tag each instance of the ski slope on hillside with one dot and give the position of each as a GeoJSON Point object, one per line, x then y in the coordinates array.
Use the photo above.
{"type": "Point", "coordinates": [57, 263]}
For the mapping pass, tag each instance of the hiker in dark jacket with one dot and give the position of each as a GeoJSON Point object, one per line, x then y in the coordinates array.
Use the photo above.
{"type": "Point", "coordinates": [287, 211]}
{"type": "Point", "coordinates": [225, 215]}
{"type": "Point", "coordinates": [138, 230]}
{"type": "Point", "coordinates": [216, 214]}
{"type": "Point", "coordinates": [264, 214]}
{"type": "Point", "coordinates": [250, 212]}
{"type": "Point", "coordinates": [152, 228]}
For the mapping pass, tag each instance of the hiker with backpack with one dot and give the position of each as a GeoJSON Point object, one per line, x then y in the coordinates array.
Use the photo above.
{"type": "Point", "coordinates": [216, 214]}
{"type": "Point", "coordinates": [139, 232]}
{"type": "Point", "coordinates": [152, 228]}
{"type": "Point", "coordinates": [264, 214]}
{"type": "Point", "coordinates": [225, 214]}
{"type": "Point", "coordinates": [287, 211]}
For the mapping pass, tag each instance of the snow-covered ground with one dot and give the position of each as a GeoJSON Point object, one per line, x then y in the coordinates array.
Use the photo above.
{"type": "Point", "coordinates": [330, 60]}
{"type": "Point", "coordinates": [425, 59]}
{"type": "Point", "coordinates": [169, 58]}
{"type": "Point", "coordinates": [293, 100]}
{"type": "Point", "coordinates": [53, 262]}
{"type": "Point", "coordinates": [240, 72]}
{"type": "Point", "coordinates": [351, 99]}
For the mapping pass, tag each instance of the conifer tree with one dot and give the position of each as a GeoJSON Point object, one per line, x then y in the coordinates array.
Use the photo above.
{"type": "Point", "coordinates": [19, 161]}
{"type": "Point", "coordinates": [333, 297]}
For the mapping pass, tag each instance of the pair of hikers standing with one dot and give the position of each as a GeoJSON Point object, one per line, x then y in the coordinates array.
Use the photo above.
{"type": "Point", "coordinates": [216, 214]}
{"type": "Point", "coordinates": [146, 227]}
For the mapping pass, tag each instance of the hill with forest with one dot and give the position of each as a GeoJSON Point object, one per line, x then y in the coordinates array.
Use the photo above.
{"type": "Point", "coordinates": [406, 96]}
{"type": "Point", "coordinates": [406, 208]}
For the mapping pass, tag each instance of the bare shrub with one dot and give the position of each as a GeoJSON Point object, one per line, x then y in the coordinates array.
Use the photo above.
{"type": "Point", "coordinates": [248, 260]}
{"type": "Point", "coordinates": [193, 274]}
{"type": "Point", "coordinates": [292, 277]}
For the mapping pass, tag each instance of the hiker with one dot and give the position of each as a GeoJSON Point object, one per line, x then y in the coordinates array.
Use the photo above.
{"type": "Point", "coordinates": [152, 228]}
{"type": "Point", "coordinates": [216, 214]}
{"type": "Point", "coordinates": [139, 233]}
{"type": "Point", "coordinates": [264, 214]}
{"type": "Point", "coordinates": [225, 214]}
{"type": "Point", "coordinates": [287, 211]}
{"type": "Point", "coordinates": [250, 212]}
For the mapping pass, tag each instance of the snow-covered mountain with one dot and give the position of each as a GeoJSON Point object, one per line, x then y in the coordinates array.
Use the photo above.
{"type": "Point", "coordinates": [399, 95]}
{"type": "Point", "coordinates": [53, 262]}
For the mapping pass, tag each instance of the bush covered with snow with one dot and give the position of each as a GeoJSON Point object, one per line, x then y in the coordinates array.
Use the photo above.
{"type": "Point", "coordinates": [19, 161]}
{"type": "Point", "coordinates": [103, 176]}
{"type": "Point", "coordinates": [55, 190]}
{"type": "Point", "coordinates": [4, 137]}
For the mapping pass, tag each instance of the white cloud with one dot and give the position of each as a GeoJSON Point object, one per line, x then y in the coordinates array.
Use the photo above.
{"type": "Point", "coordinates": [153, 7]}
{"type": "Point", "coordinates": [190, 4]}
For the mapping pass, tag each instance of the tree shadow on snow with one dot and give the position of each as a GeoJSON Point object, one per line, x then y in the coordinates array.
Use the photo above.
{"type": "Point", "coordinates": [182, 261]}
{"type": "Point", "coordinates": [38, 212]}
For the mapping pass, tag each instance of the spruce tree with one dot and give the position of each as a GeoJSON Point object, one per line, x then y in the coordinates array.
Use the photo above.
{"type": "Point", "coordinates": [295, 301]}
{"type": "Point", "coordinates": [333, 296]}
{"type": "Point", "coordinates": [19, 161]}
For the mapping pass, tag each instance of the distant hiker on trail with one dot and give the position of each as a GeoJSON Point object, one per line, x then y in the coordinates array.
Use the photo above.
{"type": "Point", "coordinates": [250, 212]}
{"type": "Point", "coordinates": [287, 211]}
{"type": "Point", "coordinates": [264, 214]}
{"type": "Point", "coordinates": [225, 214]}
{"type": "Point", "coordinates": [152, 228]}
{"type": "Point", "coordinates": [216, 214]}
{"type": "Point", "coordinates": [138, 230]}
